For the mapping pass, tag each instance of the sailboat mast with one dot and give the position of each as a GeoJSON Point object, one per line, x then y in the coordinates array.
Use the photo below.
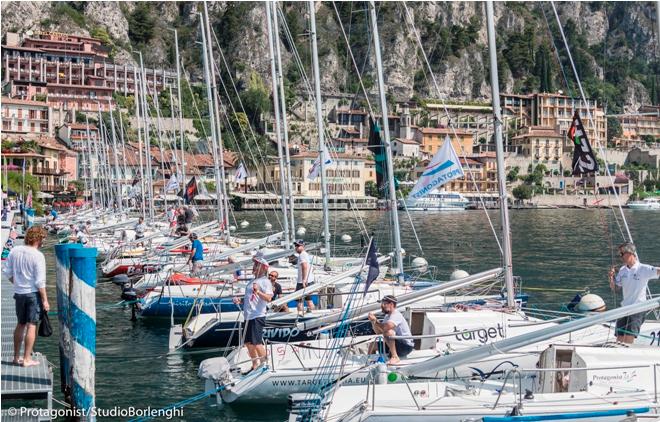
{"type": "Point", "coordinates": [90, 173]}
{"type": "Point", "coordinates": [319, 125]}
{"type": "Point", "coordinates": [115, 169]}
{"type": "Point", "coordinates": [147, 141]}
{"type": "Point", "coordinates": [216, 111]}
{"type": "Point", "coordinates": [214, 139]}
{"type": "Point", "coordinates": [143, 192]}
{"type": "Point", "coordinates": [178, 96]}
{"type": "Point", "coordinates": [388, 145]}
{"type": "Point", "coordinates": [285, 123]}
{"type": "Point", "coordinates": [499, 151]}
{"type": "Point", "coordinates": [278, 128]}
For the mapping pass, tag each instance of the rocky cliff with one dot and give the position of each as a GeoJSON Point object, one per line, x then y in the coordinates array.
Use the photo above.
{"type": "Point", "coordinates": [614, 45]}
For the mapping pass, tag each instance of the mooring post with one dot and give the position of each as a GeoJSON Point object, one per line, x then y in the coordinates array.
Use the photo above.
{"type": "Point", "coordinates": [83, 327]}
{"type": "Point", "coordinates": [63, 281]}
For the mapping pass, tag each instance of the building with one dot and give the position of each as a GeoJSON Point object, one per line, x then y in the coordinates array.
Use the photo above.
{"type": "Point", "coordinates": [77, 135]}
{"type": "Point", "coordinates": [25, 117]}
{"type": "Point", "coordinates": [350, 141]}
{"type": "Point", "coordinates": [77, 70]}
{"type": "Point", "coordinates": [555, 110]}
{"type": "Point", "coordinates": [405, 148]}
{"type": "Point", "coordinates": [646, 123]}
{"type": "Point", "coordinates": [430, 140]}
{"type": "Point", "coordinates": [544, 145]}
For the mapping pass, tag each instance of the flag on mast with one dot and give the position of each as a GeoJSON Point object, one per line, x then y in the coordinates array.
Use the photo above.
{"type": "Point", "coordinates": [444, 166]}
{"type": "Point", "coordinates": [241, 173]}
{"type": "Point", "coordinates": [584, 160]}
{"type": "Point", "coordinates": [172, 184]}
{"type": "Point", "coordinates": [315, 170]}
{"type": "Point", "coordinates": [190, 191]}
{"type": "Point", "coordinates": [372, 264]}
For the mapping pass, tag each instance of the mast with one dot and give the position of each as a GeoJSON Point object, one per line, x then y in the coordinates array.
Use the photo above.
{"type": "Point", "coordinates": [214, 139]}
{"type": "Point", "coordinates": [319, 126]}
{"type": "Point", "coordinates": [285, 124]}
{"type": "Point", "coordinates": [178, 96]}
{"type": "Point", "coordinates": [123, 148]}
{"type": "Point", "coordinates": [222, 186]}
{"type": "Point", "coordinates": [118, 186]}
{"type": "Point", "coordinates": [278, 129]}
{"type": "Point", "coordinates": [89, 163]}
{"type": "Point", "coordinates": [499, 150]}
{"type": "Point", "coordinates": [388, 146]}
{"type": "Point", "coordinates": [146, 115]}
{"type": "Point", "coordinates": [139, 131]}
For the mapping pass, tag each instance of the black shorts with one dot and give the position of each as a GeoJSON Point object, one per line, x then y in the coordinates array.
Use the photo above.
{"type": "Point", "coordinates": [299, 286]}
{"type": "Point", "coordinates": [630, 325]}
{"type": "Point", "coordinates": [403, 349]}
{"type": "Point", "coordinates": [254, 332]}
{"type": "Point", "coordinates": [28, 308]}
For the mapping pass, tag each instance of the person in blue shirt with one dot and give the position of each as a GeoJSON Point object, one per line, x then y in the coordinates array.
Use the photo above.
{"type": "Point", "coordinates": [196, 254]}
{"type": "Point", "coordinates": [53, 214]}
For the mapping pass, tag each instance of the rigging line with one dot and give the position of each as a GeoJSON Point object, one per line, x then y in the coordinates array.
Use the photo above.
{"type": "Point", "coordinates": [410, 21]}
{"type": "Point", "coordinates": [556, 50]}
{"type": "Point", "coordinates": [254, 137]}
{"type": "Point", "coordinates": [586, 103]}
{"type": "Point", "coordinates": [312, 96]}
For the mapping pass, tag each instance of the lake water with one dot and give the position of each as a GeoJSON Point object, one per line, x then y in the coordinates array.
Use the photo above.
{"type": "Point", "coordinates": [551, 249]}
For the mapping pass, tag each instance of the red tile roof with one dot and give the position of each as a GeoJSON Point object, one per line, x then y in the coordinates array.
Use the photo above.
{"type": "Point", "coordinates": [7, 100]}
{"type": "Point", "coordinates": [443, 130]}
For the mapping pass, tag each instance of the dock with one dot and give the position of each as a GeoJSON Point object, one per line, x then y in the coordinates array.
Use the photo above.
{"type": "Point", "coordinates": [17, 382]}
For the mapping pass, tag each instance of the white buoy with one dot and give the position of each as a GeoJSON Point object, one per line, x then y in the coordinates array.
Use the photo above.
{"type": "Point", "coordinates": [301, 231]}
{"type": "Point", "coordinates": [591, 303]}
{"type": "Point", "coordinates": [420, 264]}
{"type": "Point", "coordinates": [346, 238]}
{"type": "Point", "coordinates": [458, 274]}
{"type": "Point", "coordinates": [268, 226]}
{"type": "Point", "coordinates": [244, 224]}
{"type": "Point", "coordinates": [232, 228]}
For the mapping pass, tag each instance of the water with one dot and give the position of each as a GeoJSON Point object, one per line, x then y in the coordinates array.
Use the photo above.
{"type": "Point", "coordinates": [551, 249]}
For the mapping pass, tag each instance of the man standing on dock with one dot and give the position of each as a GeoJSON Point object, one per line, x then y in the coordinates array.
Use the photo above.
{"type": "Point", "coordinates": [26, 269]}
{"type": "Point", "coordinates": [258, 293]}
{"type": "Point", "coordinates": [304, 269]}
{"type": "Point", "coordinates": [633, 278]}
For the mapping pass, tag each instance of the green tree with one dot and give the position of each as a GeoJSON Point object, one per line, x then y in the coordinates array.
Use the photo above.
{"type": "Point", "coordinates": [141, 24]}
{"type": "Point", "coordinates": [256, 99]}
{"type": "Point", "coordinates": [522, 192]}
{"type": "Point", "coordinates": [512, 175]}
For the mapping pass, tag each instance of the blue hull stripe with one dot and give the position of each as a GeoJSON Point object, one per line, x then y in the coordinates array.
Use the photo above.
{"type": "Point", "coordinates": [564, 416]}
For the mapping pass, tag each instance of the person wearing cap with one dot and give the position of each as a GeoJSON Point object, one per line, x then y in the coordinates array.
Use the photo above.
{"type": "Point", "coordinates": [277, 291]}
{"type": "Point", "coordinates": [304, 269]}
{"type": "Point", "coordinates": [26, 269]}
{"type": "Point", "coordinates": [632, 279]}
{"type": "Point", "coordinates": [394, 324]}
{"type": "Point", "coordinates": [258, 293]}
{"type": "Point", "coordinates": [196, 254]}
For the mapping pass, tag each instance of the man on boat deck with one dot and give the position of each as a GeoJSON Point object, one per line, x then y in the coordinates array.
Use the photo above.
{"type": "Point", "coordinates": [26, 269]}
{"type": "Point", "coordinates": [394, 324]}
{"type": "Point", "coordinates": [277, 291]}
{"type": "Point", "coordinates": [304, 270]}
{"type": "Point", "coordinates": [196, 254]}
{"type": "Point", "coordinates": [139, 228]}
{"type": "Point", "coordinates": [258, 293]}
{"type": "Point", "coordinates": [633, 279]}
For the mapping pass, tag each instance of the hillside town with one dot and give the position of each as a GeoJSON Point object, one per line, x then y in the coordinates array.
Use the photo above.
{"type": "Point", "coordinates": [69, 120]}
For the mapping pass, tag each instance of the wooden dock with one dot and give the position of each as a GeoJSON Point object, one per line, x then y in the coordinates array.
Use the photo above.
{"type": "Point", "coordinates": [16, 382]}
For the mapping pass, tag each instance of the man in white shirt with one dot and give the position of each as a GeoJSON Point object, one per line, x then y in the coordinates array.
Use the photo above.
{"type": "Point", "coordinates": [304, 266]}
{"type": "Point", "coordinates": [632, 279]}
{"type": "Point", "coordinates": [394, 324]}
{"type": "Point", "coordinates": [258, 293]}
{"type": "Point", "coordinates": [26, 268]}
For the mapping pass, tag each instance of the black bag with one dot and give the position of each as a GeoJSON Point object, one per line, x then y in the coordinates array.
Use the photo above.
{"type": "Point", "coordinates": [45, 329]}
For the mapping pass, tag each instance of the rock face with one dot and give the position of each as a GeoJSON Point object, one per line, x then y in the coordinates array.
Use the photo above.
{"type": "Point", "coordinates": [453, 35]}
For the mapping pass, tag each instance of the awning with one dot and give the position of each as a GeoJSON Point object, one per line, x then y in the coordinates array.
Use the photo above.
{"type": "Point", "coordinates": [44, 195]}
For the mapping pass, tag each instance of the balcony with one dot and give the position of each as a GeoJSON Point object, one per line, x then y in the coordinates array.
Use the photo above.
{"type": "Point", "coordinates": [47, 170]}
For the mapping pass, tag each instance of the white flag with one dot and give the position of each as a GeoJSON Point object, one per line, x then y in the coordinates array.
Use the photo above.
{"type": "Point", "coordinates": [444, 166]}
{"type": "Point", "coordinates": [241, 173]}
{"type": "Point", "coordinates": [315, 170]}
{"type": "Point", "coordinates": [172, 184]}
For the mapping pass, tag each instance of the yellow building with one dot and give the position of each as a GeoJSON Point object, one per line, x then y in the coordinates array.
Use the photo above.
{"type": "Point", "coordinates": [541, 144]}
{"type": "Point", "coordinates": [430, 140]}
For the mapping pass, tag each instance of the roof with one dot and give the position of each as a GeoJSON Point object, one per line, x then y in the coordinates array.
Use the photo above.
{"type": "Point", "coordinates": [52, 143]}
{"type": "Point", "coordinates": [539, 131]}
{"type": "Point", "coordinates": [81, 126]}
{"type": "Point", "coordinates": [7, 100]}
{"type": "Point", "coordinates": [356, 140]}
{"type": "Point", "coordinates": [443, 130]}
{"type": "Point", "coordinates": [406, 141]}
{"type": "Point", "coordinates": [315, 154]}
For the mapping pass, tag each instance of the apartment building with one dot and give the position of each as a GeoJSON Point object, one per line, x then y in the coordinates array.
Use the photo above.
{"type": "Point", "coordinates": [77, 70]}
{"type": "Point", "coordinates": [25, 117]}
{"type": "Point", "coordinates": [431, 139]}
{"type": "Point", "coordinates": [544, 145]}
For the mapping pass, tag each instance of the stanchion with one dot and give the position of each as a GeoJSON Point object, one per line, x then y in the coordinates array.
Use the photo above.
{"type": "Point", "coordinates": [82, 303]}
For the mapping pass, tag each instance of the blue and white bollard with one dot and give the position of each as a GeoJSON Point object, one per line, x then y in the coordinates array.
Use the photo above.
{"type": "Point", "coordinates": [63, 273]}
{"type": "Point", "coordinates": [83, 327]}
